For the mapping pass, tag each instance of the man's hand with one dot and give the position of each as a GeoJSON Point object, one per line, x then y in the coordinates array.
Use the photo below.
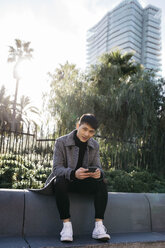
{"type": "Point", "coordinates": [95, 174]}
{"type": "Point", "coordinates": [82, 173]}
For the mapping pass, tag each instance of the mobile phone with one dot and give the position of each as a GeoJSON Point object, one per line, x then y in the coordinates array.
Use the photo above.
{"type": "Point", "coordinates": [92, 169]}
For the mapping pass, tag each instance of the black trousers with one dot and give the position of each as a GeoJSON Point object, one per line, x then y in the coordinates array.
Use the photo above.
{"type": "Point", "coordinates": [96, 187]}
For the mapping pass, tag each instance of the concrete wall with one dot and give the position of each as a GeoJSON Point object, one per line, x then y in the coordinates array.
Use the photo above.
{"type": "Point", "coordinates": [28, 214]}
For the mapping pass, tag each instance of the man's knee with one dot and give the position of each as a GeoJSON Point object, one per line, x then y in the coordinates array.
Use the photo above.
{"type": "Point", "coordinates": [101, 185]}
{"type": "Point", "coordinates": [97, 186]}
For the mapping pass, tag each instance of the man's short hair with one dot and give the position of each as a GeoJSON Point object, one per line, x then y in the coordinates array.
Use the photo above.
{"type": "Point", "coordinates": [90, 119]}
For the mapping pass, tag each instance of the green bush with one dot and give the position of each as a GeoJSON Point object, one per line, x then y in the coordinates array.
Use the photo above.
{"type": "Point", "coordinates": [134, 181]}
{"type": "Point", "coordinates": [16, 172]}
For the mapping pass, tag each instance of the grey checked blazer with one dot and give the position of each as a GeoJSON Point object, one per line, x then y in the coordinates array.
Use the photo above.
{"type": "Point", "coordinates": [66, 157]}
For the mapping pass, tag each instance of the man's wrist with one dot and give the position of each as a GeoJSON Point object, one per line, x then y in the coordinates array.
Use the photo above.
{"type": "Point", "coordinates": [72, 175]}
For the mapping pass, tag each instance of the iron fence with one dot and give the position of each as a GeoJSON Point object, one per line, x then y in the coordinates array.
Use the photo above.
{"type": "Point", "coordinates": [29, 146]}
{"type": "Point", "coordinates": [116, 154]}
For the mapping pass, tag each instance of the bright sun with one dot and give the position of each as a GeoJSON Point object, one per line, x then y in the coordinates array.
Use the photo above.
{"type": "Point", "coordinates": [27, 73]}
{"type": "Point", "coordinates": [31, 72]}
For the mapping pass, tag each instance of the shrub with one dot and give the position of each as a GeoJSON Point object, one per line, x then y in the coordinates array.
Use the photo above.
{"type": "Point", "coordinates": [134, 181]}
{"type": "Point", "coordinates": [16, 172]}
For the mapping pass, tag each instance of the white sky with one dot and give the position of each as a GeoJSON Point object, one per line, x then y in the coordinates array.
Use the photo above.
{"type": "Point", "coordinates": [57, 32]}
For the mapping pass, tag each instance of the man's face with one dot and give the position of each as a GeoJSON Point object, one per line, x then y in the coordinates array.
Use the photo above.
{"type": "Point", "coordinates": [85, 132]}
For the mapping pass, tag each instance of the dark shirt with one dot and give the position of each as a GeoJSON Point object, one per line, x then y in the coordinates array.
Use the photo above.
{"type": "Point", "coordinates": [82, 148]}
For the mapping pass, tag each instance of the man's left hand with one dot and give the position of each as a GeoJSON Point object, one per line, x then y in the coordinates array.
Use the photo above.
{"type": "Point", "coordinates": [96, 174]}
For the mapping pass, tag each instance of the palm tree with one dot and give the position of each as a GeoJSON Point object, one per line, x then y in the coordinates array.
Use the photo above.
{"type": "Point", "coordinates": [26, 110]}
{"type": "Point", "coordinates": [17, 54]}
{"type": "Point", "coordinates": [123, 62]}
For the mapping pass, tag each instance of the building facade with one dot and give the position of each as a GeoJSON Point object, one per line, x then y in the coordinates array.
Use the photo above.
{"type": "Point", "coordinates": [128, 27]}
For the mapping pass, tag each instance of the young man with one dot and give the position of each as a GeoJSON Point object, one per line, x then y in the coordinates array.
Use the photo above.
{"type": "Point", "coordinates": [74, 155]}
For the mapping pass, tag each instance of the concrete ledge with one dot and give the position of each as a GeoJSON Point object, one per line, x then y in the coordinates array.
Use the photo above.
{"type": "Point", "coordinates": [12, 219]}
{"type": "Point", "coordinates": [31, 220]}
{"type": "Point", "coordinates": [127, 212]}
{"type": "Point", "coordinates": [41, 215]}
{"type": "Point", "coordinates": [11, 212]}
{"type": "Point", "coordinates": [157, 205]}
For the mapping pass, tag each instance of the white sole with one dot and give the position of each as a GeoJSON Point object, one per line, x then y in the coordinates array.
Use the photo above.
{"type": "Point", "coordinates": [101, 237]}
{"type": "Point", "coordinates": [67, 239]}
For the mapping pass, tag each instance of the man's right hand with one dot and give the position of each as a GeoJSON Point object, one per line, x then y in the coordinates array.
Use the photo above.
{"type": "Point", "coordinates": [81, 173]}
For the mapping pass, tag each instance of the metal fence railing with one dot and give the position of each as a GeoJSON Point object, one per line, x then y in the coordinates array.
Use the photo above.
{"type": "Point", "coordinates": [27, 145]}
{"type": "Point", "coordinates": [117, 154]}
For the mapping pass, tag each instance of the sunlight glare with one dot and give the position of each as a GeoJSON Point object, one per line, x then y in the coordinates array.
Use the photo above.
{"type": "Point", "coordinates": [24, 69]}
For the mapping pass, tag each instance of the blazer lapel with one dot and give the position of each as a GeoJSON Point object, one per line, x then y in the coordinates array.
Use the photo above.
{"type": "Point", "coordinates": [75, 154]}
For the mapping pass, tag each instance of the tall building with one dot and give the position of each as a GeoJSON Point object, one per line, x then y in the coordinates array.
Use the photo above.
{"type": "Point", "coordinates": [129, 27]}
